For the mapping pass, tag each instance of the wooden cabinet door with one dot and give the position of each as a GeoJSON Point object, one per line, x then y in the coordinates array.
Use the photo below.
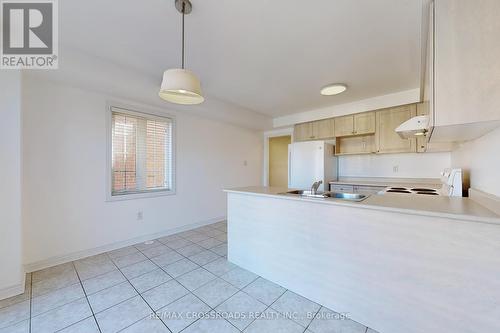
{"type": "Point", "coordinates": [364, 123]}
{"type": "Point", "coordinates": [344, 126]}
{"type": "Point", "coordinates": [302, 132]}
{"type": "Point", "coordinates": [323, 129]}
{"type": "Point", "coordinates": [388, 141]}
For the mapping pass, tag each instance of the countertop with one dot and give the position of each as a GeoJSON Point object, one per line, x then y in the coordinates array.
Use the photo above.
{"type": "Point", "coordinates": [392, 182]}
{"type": "Point", "coordinates": [440, 206]}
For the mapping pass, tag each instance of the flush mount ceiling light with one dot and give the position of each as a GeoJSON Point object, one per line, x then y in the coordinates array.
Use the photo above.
{"type": "Point", "coordinates": [333, 89]}
{"type": "Point", "coordinates": [179, 85]}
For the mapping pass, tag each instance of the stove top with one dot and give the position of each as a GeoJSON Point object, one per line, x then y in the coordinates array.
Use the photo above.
{"type": "Point", "coordinates": [418, 190]}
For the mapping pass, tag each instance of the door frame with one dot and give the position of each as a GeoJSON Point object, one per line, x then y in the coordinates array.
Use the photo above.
{"type": "Point", "coordinates": [267, 135]}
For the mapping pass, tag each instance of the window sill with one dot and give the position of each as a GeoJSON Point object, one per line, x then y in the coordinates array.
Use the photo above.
{"type": "Point", "coordinates": [141, 195]}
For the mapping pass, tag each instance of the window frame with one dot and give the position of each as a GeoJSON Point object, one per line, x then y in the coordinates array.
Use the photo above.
{"type": "Point", "coordinates": [144, 112]}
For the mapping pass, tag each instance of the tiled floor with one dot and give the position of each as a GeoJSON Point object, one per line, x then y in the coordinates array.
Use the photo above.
{"type": "Point", "coordinates": [185, 279]}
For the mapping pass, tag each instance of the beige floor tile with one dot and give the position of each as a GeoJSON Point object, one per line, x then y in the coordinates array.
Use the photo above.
{"type": "Point", "coordinates": [220, 266]}
{"type": "Point", "coordinates": [273, 322]}
{"type": "Point", "coordinates": [150, 280]}
{"type": "Point", "coordinates": [61, 317]}
{"type": "Point", "coordinates": [137, 269]}
{"type": "Point", "coordinates": [147, 325]}
{"type": "Point", "coordinates": [328, 321]}
{"type": "Point", "coordinates": [123, 315]}
{"type": "Point", "coordinates": [210, 326]}
{"type": "Point", "coordinates": [264, 290]}
{"type": "Point", "coordinates": [88, 325]}
{"type": "Point", "coordinates": [241, 310]}
{"type": "Point", "coordinates": [56, 299]}
{"type": "Point", "coordinates": [15, 313]}
{"type": "Point", "coordinates": [303, 308]}
{"type": "Point", "coordinates": [111, 296]}
{"type": "Point", "coordinates": [180, 267]}
{"type": "Point", "coordinates": [181, 313]}
{"type": "Point", "coordinates": [164, 294]}
{"type": "Point", "coordinates": [215, 292]}
{"type": "Point", "coordinates": [195, 279]}
{"type": "Point", "coordinates": [20, 327]}
{"type": "Point", "coordinates": [129, 259]}
{"type": "Point", "coordinates": [103, 281]}
{"type": "Point", "coordinates": [204, 257]}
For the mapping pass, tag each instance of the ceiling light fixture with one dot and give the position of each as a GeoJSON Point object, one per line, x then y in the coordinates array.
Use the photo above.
{"type": "Point", "coordinates": [179, 85]}
{"type": "Point", "coordinates": [333, 89]}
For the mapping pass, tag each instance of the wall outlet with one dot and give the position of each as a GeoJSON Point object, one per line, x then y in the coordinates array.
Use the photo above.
{"type": "Point", "coordinates": [395, 169]}
{"type": "Point", "coordinates": [245, 163]}
{"type": "Point", "coordinates": [139, 216]}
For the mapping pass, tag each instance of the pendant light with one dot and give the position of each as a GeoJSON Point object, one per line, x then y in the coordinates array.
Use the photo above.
{"type": "Point", "coordinates": [179, 85]}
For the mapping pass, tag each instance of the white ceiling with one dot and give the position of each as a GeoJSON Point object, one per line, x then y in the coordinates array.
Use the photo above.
{"type": "Point", "coordinates": [269, 56]}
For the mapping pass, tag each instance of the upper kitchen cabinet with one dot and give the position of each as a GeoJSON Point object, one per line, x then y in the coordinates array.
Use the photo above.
{"type": "Point", "coordinates": [302, 132]}
{"type": "Point", "coordinates": [387, 140]}
{"type": "Point", "coordinates": [357, 124]}
{"type": "Point", "coordinates": [344, 126]}
{"type": "Point", "coordinates": [364, 123]}
{"type": "Point", "coordinates": [323, 129]}
{"type": "Point", "coordinates": [466, 94]}
{"type": "Point", "coordinates": [315, 130]}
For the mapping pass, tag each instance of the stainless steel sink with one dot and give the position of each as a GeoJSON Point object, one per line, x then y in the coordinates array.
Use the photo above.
{"type": "Point", "coordinates": [328, 195]}
{"type": "Point", "coordinates": [346, 196]}
{"type": "Point", "coordinates": [304, 193]}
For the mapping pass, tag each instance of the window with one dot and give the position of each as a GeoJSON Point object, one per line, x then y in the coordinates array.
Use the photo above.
{"type": "Point", "coordinates": [141, 153]}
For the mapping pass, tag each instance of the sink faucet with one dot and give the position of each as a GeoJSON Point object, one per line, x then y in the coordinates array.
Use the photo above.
{"type": "Point", "coordinates": [315, 185]}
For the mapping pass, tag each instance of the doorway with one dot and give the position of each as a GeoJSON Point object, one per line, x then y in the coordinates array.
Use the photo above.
{"type": "Point", "coordinates": [278, 160]}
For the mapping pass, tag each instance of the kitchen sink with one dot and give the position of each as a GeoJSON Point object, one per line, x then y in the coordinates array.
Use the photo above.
{"type": "Point", "coordinates": [346, 196]}
{"type": "Point", "coordinates": [328, 195]}
{"type": "Point", "coordinates": [304, 193]}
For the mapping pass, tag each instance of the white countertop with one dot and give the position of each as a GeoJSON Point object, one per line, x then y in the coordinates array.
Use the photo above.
{"type": "Point", "coordinates": [439, 206]}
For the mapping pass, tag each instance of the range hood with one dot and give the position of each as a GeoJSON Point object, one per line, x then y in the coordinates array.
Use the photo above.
{"type": "Point", "coordinates": [416, 126]}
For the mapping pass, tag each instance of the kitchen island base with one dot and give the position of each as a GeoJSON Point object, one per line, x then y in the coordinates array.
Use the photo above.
{"type": "Point", "coordinates": [390, 271]}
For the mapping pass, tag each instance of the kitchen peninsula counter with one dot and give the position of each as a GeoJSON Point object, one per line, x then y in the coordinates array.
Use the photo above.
{"type": "Point", "coordinates": [438, 206]}
{"type": "Point", "coordinates": [395, 263]}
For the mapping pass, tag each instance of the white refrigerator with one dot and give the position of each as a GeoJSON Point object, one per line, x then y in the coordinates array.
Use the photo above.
{"type": "Point", "coordinates": [309, 162]}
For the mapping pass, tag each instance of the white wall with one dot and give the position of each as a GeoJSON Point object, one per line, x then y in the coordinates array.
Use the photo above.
{"type": "Point", "coordinates": [11, 274]}
{"type": "Point", "coordinates": [64, 144]}
{"type": "Point", "coordinates": [427, 165]}
{"type": "Point", "coordinates": [480, 160]}
{"type": "Point", "coordinates": [79, 69]}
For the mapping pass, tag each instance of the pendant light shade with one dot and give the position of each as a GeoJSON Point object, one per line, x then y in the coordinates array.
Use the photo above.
{"type": "Point", "coordinates": [181, 86]}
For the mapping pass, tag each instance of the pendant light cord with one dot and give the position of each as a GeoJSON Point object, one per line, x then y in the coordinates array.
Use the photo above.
{"type": "Point", "coordinates": [183, 10]}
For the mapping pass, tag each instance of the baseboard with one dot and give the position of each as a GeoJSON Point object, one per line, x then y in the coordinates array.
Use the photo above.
{"type": "Point", "coordinates": [38, 265]}
{"type": "Point", "coordinates": [490, 201]}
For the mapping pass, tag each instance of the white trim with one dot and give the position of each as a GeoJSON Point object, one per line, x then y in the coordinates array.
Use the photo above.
{"type": "Point", "coordinates": [14, 290]}
{"type": "Point", "coordinates": [267, 135]}
{"type": "Point", "coordinates": [133, 111]}
{"type": "Point", "coordinates": [374, 103]}
{"type": "Point", "coordinates": [35, 266]}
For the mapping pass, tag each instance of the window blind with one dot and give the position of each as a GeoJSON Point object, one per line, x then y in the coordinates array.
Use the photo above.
{"type": "Point", "coordinates": [141, 155]}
